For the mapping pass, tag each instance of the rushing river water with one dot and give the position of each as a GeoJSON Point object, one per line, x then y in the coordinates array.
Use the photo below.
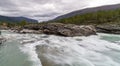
{"type": "Point", "coordinates": [49, 50]}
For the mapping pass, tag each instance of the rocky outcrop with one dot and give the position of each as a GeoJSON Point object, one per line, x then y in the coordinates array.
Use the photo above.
{"type": "Point", "coordinates": [68, 30]}
{"type": "Point", "coordinates": [108, 28]}
{"type": "Point", "coordinates": [3, 27]}
{"type": "Point", "coordinates": [60, 29]}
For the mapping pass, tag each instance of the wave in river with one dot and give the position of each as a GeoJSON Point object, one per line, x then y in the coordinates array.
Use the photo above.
{"type": "Point", "coordinates": [49, 50]}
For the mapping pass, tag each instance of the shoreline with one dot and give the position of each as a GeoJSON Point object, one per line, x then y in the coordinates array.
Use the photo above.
{"type": "Point", "coordinates": [67, 30]}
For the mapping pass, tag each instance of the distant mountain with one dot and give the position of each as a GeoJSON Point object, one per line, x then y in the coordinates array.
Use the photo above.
{"type": "Point", "coordinates": [89, 10]}
{"type": "Point", "coordinates": [16, 19]}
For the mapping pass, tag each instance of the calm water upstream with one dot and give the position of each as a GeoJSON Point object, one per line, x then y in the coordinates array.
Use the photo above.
{"type": "Point", "coordinates": [21, 50]}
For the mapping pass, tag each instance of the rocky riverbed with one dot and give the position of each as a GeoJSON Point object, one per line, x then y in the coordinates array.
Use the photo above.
{"type": "Point", "coordinates": [67, 30]}
{"type": "Point", "coordinates": [59, 29]}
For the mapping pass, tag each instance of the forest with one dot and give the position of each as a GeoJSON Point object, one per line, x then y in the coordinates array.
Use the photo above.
{"type": "Point", "coordinates": [99, 17]}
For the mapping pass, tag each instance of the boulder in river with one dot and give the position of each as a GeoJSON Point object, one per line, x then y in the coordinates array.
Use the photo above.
{"type": "Point", "coordinates": [2, 40]}
{"type": "Point", "coordinates": [60, 29]}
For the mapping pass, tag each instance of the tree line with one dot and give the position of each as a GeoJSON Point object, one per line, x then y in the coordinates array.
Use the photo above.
{"type": "Point", "coordinates": [99, 17]}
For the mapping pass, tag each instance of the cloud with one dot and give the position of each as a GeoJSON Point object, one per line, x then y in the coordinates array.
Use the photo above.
{"type": "Point", "coordinates": [46, 9]}
{"type": "Point", "coordinates": [46, 15]}
{"type": "Point", "coordinates": [101, 2]}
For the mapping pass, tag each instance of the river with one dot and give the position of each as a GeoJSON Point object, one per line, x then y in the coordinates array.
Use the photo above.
{"type": "Point", "coordinates": [50, 50]}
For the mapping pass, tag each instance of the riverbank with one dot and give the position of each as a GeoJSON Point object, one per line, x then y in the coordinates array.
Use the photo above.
{"type": "Point", "coordinates": [67, 30]}
{"type": "Point", "coordinates": [108, 28]}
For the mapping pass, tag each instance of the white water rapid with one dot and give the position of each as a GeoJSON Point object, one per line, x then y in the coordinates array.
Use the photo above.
{"type": "Point", "coordinates": [50, 50]}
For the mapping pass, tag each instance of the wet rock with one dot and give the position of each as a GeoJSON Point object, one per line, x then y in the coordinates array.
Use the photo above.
{"type": "Point", "coordinates": [4, 27]}
{"type": "Point", "coordinates": [113, 29]}
{"type": "Point", "coordinates": [2, 40]}
{"type": "Point", "coordinates": [60, 29]}
{"type": "Point", "coordinates": [69, 29]}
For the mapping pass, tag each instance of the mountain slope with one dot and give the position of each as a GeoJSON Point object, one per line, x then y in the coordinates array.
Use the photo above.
{"type": "Point", "coordinates": [16, 19]}
{"type": "Point", "coordinates": [89, 10]}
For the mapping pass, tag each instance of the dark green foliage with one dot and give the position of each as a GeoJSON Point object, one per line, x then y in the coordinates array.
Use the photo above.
{"type": "Point", "coordinates": [100, 17]}
{"type": "Point", "coordinates": [13, 24]}
{"type": "Point", "coordinates": [23, 23]}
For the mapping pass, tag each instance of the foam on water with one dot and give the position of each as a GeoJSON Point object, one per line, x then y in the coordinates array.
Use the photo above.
{"type": "Point", "coordinates": [29, 49]}
{"type": "Point", "coordinates": [70, 51]}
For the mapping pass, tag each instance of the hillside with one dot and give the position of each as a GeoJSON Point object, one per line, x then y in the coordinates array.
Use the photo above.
{"type": "Point", "coordinates": [89, 10]}
{"type": "Point", "coordinates": [105, 15]}
{"type": "Point", "coordinates": [16, 19]}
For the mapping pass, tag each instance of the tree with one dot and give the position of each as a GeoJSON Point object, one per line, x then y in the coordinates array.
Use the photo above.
{"type": "Point", "coordinates": [23, 23]}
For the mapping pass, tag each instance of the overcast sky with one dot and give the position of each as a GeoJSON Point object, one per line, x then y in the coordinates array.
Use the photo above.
{"type": "Point", "coordinates": [47, 9]}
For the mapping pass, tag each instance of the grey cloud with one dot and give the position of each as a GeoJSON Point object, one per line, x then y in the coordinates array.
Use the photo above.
{"type": "Point", "coordinates": [7, 4]}
{"type": "Point", "coordinates": [9, 10]}
{"type": "Point", "coordinates": [46, 1]}
{"type": "Point", "coordinates": [46, 15]}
